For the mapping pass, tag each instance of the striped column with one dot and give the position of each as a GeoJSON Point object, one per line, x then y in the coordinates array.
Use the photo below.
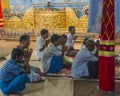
{"type": "Point", "coordinates": [107, 47]}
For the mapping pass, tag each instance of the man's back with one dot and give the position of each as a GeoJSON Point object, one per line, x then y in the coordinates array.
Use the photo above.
{"type": "Point", "coordinates": [79, 66]}
{"type": "Point", "coordinates": [47, 55]}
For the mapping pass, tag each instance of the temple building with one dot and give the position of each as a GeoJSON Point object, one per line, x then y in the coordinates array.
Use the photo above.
{"type": "Point", "coordinates": [25, 16]}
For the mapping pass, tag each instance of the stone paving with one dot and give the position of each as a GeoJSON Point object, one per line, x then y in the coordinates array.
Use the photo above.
{"type": "Point", "coordinates": [47, 88]}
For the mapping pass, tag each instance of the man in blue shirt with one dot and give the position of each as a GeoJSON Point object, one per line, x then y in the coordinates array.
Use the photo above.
{"type": "Point", "coordinates": [13, 74]}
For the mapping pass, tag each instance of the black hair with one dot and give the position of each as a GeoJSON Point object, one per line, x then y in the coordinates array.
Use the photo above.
{"type": "Point", "coordinates": [89, 42]}
{"type": "Point", "coordinates": [17, 52]}
{"type": "Point", "coordinates": [71, 27]}
{"type": "Point", "coordinates": [64, 36]}
{"type": "Point", "coordinates": [54, 38]}
{"type": "Point", "coordinates": [24, 37]}
{"type": "Point", "coordinates": [43, 31]}
{"type": "Point", "coordinates": [85, 39]}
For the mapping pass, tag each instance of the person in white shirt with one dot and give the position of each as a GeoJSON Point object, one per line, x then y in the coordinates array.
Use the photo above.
{"type": "Point", "coordinates": [71, 37]}
{"type": "Point", "coordinates": [85, 63]}
{"type": "Point", "coordinates": [52, 57]}
{"type": "Point", "coordinates": [41, 43]}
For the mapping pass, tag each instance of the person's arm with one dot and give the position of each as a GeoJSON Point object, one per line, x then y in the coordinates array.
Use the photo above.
{"type": "Point", "coordinates": [74, 37]}
{"type": "Point", "coordinates": [64, 48]}
{"type": "Point", "coordinates": [28, 54]}
{"type": "Point", "coordinates": [26, 67]}
{"type": "Point", "coordinates": [45, 45]}
{"type": "Point", "coordinates": [85, 55]}
{"type": "Point", "coordinates": [41, 49]}
{"type": "Point", "coordinates": [47, 42]}
{"type": "Point", "coordinates": [41, 46]}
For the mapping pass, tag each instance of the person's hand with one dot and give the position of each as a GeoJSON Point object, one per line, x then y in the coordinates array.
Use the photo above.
{"type": "Point", "coordinates": [43, 47]}
{"type": "Point", "coordinates": [75, 37]}
{"type": "Point", "coordinates": [30, 50]}
{"type": "Point", "coordinates": [47, 42]}
{"type": "Point", "coordinates": [29, 53]}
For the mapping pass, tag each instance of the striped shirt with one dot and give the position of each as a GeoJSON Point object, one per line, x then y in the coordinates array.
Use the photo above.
{"type": "Point", "coordinates": [10, 70]}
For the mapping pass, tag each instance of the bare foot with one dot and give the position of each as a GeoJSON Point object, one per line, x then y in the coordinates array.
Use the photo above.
{"type": "Point", "coordinates": [41, 80]}
{"type": "Point", "coordinates": [3, 58]}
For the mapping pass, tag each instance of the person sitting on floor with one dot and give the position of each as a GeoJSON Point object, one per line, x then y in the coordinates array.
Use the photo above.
{"type": "Point", "coordinates": [52, 56]}
{"type": "Point", "coordinates": [13, 74]}
{"type": "Point", "coordinates": [24, 45]}
{"type": "Point", "coordinates": [63, 40]}
{"type": "Point", "coordinates": [85, 39]}
{"type": "Point", "coordinates": [41, 43]}
{"type": "Point", "coordinates": [63, 48]}
{"type": "Point", "coordinates": [85, 63]}
{"type": "Point", "coordinates": [71, 37]}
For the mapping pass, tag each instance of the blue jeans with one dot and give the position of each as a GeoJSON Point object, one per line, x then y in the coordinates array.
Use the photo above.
{"type": "Point", "coordinates": [15, 85]}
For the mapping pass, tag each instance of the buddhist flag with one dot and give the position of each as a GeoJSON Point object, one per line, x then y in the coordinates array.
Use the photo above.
{"type": "Point", "coordinates": [107, 47]}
